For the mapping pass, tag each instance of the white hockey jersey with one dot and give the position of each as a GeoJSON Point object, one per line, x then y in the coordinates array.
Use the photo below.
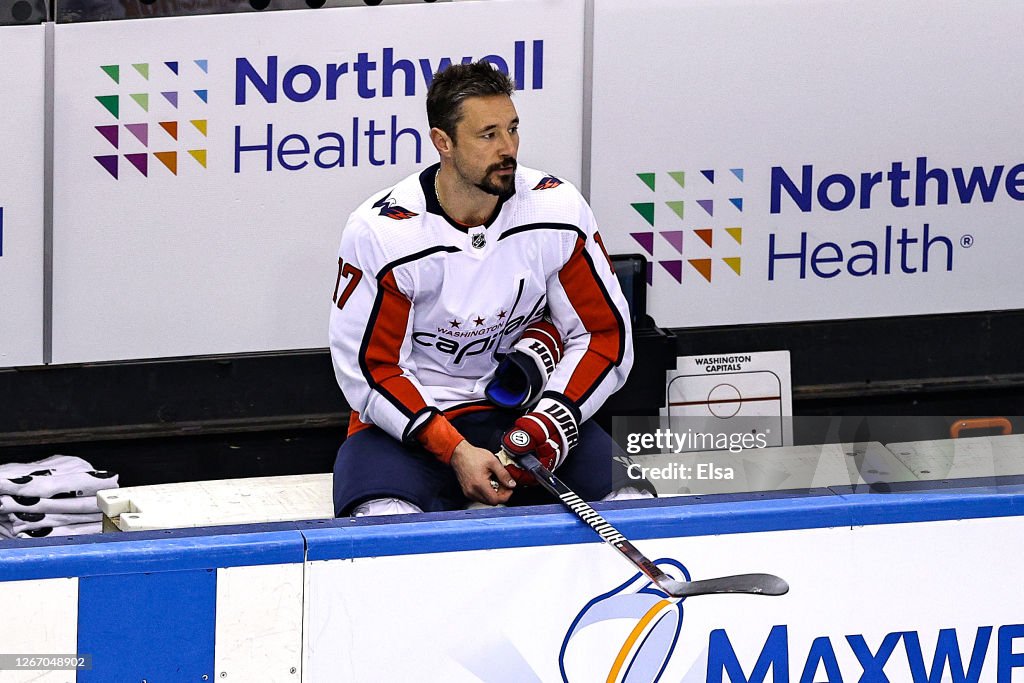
{"type": "Point", "coordinates": [425, 307]}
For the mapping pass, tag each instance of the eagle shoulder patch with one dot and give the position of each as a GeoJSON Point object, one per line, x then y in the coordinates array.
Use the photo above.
{"type": "Point", "coordinates": [392, 210]}
{"type": "Point", "coordinates": [548, 182]}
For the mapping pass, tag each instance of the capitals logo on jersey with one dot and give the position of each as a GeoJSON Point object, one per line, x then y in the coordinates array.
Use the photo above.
{"type": "Point", "coordinates": [548, 182]}
{"type": "Point", "coordinates": [389, 208]}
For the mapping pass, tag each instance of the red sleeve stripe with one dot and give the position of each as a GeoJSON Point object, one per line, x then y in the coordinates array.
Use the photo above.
{"type": "Point", "coordinates": [382, 347]}
{"type": "Point", "coordinates": [601, 319]}
{"type": "Point", "coordinates": [600, 243]}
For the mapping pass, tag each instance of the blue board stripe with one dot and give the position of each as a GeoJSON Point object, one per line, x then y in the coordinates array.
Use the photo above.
{"type": "Point", "coordinates": [148, 626]}
{"type": "Point", "coordinates": [125, 555]}
{"type": "Point", "coordinates": [511, 530]}
{"type": "Point", "coordinates": [504, 528]}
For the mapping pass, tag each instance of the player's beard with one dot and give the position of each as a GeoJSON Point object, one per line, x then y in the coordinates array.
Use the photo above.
{"type": "Point", "coordinates": [499, 186]}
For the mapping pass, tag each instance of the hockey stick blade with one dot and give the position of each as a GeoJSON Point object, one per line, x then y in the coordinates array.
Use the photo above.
{"type": "Point", "coordinates": [755, 584]}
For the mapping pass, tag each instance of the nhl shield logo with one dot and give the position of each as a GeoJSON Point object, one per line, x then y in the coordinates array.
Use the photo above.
{"type": "Point", "coordinates": [479, 240]}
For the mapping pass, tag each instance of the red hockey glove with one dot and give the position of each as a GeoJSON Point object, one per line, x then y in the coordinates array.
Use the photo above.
{"type": "Point", "coordinates": [549, 433]}
{"type": "Point", "coordinates": [523, 373]}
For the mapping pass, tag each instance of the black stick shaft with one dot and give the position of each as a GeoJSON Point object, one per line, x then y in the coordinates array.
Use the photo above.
{"type": "Point", "coordinates": [592, 517]}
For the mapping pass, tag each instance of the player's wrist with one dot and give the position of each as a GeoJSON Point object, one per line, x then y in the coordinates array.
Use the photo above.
{"type": "Point", "coordinates": [439, 438]}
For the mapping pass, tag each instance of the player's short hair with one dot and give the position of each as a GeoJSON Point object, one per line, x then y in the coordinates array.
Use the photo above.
{"type": "Point", "coordinates": [453, 85]}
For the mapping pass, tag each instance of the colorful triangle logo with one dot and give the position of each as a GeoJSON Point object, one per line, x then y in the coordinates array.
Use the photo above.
{"type": "Point", "coordinates": [168, 159]}
{"type": "Point", "coordinates": [202, 64]}
{"type": "Point", "coordinates": [173, 66]}
{"type": "Point", "coordinates": [171, 127]}
{"type": "Point", "coordinates": [108, 162]}
{"type": "Point", "coordinates": [143, 70]}
{"type": "Point", "coordinates": [111, 103]}
{"type": "Point", "coordinates": [679, 177]}
{"type": "Point", "coordinates": [199, 155]}
{"type": "Point", "coordinates": [675, 238]}
{"type": "Point", "coordinates": [202, 95]}
{"type": "Point", "coordinates": [710, 175]}
{"type": "Point", "coordinates": [737, 202]}
{"type": "Point", "coordinates": [200, 125]}
{"type": "Point", "coordinates": [708, 205]}
{"type": "Point", "coordinates": [738, 172]}
{"type": "Point", "coordinates": [114, 71]}
{"type": "Point", "coordinates": [140, 131]}
{"type": "Point", "coordinates": [674, 268]}
{"type": "Point", "coordinates": [110, 133]}
{"type": "Point", "coordinates": [702, 266]}
{"type": "Point", "coordinates": [645, 240]}
{"type": "Point", "coordinates": [734, 263]}
{"type": "Point", "coordinates": [171, 97]}
{"type": "Point", "coordinates": [736, 233]}
{"type": "Point", "coordinates": [141, 99]}
{"type": "Point", "coordinates": [677, 208]}
{"type": "Point", "coordinates": [645, 209]}
{"type": "Point", "coordinates": [706, 236]}
{"type": "Point", "coordinates": [647, 178]}
{"type": "Point", "coordinates": [140, 162]}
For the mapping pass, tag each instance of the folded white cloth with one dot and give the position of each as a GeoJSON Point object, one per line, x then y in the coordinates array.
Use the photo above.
{"type": "Point", "coordinates": [27, 521]}
{"type": "Point", "coordinates": [55, 464]}
{"type": "Point", "coordinates": [84, 505]}
{"type": "Point", "coordinates": [69, 530]}
{"type": "Point", "coordinates": [69, 485]}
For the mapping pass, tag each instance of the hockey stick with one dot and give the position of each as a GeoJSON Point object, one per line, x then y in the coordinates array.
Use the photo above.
{"type": "Point", "coordinates": [758, 584]}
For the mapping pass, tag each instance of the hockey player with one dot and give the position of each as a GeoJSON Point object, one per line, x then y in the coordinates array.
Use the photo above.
{"type": "Point", "coordinates": [475, 306]}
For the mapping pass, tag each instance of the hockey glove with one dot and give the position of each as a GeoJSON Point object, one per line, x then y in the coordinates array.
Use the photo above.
{"type": "Point", "coordinates": [549, 433]}
{"type": "Point", "coordinates": [523, 373]}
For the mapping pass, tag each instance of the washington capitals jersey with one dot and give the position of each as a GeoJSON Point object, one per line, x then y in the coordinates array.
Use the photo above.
{"type": "Point", "coordinates": [424, 307]}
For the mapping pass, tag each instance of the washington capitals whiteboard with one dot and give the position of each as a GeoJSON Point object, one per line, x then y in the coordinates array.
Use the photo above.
{"type": "Point", "coordinates": [21, 195]}
{"type": "Point", "coordinates": [205, 166]}
{"type": "Point", "coordinates": [732, 393]}
{"type": "Point", "coordinates": [809, 160]}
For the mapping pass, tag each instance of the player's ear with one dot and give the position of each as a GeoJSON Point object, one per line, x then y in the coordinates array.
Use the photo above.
{"type": "Point", "coordinates": [442, 141]}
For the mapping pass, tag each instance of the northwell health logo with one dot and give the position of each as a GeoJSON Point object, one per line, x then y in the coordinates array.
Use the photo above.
{"type": "Point", "coordinates": [153, 117]}
{"type": "Point", "coordinates": [271, 111]}
{"type": "Point", "coordinates": [700, 237]}
{"type": "Point", "coordinates": [898, 219]}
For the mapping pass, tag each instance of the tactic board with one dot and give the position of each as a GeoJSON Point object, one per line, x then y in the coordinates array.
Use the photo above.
{"type": "Point", "coordinates": [714, 392]}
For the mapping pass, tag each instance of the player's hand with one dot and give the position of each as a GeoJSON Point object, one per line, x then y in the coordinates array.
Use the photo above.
{"type": "Point", "coordinates": [548, 432]}
{"type": "Point", "coordinates": [480, 475]}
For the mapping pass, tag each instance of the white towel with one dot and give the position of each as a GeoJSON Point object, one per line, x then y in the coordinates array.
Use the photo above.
{"type": "Point", "coordinates": [55, 464]}
{"type": "Point", "coordinates": [27, 521]}
{"type": "Point", "coordinates": [84, 505]}
{"type": "Point", "coordinates": [70, 485]}
{"type": "Point", "coordinates": [69, 530]}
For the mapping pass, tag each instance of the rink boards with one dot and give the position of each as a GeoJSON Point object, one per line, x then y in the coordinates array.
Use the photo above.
{"type": "Point", "coordinates": [917, 585]}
